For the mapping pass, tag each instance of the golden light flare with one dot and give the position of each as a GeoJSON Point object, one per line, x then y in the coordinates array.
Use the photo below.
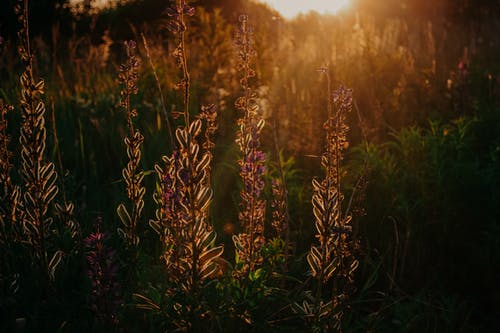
{"type": "Point", "coordinates": [291, 8]}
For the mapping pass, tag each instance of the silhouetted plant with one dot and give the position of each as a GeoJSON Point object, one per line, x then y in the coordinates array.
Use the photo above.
{"type": "Point", "coordinates": [132, 173]}
{"type": "Point", "coordinates": [279, 205]}
{"type": "Point", "coordinates": [102, 271]}
{"type": "Point", "coordinates": [10, 203]}
{"type": "Point", "coordinates": [183, 197]}
{"type": "Point", "coordinates": [333, 259]}
{"type": "Point", "coordinates": [184, 192]}
{"type": "Point", "coordinates": [39, 176]}
{"type": "Point", "coordinates": [10, 227]}
{"type": "Point", "coordinates": [209, 115]}
{"type": "Point", "coordinates": [252, 169]}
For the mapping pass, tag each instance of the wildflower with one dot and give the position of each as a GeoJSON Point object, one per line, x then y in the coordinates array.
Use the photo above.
{"type": "Point", "coordinates": [333, 257]}
{"type": "Point", "coordinates": [132, 174]}
{"type": "Point", "coordinates": [102, 272]}
{"type": "Point", "coordinates": [184, 195]}
{"type": "Point", "coordinates": [252, 169]}
{"type": "Point", "coordinates": [279, 207]}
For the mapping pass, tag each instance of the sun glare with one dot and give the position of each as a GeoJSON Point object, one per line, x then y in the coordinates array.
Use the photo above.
{"type": "Point", "coordinates": [292, 8]}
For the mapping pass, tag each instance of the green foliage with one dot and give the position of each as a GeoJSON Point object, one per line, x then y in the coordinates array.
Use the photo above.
{"type": "Point", "coordinates": [429, 195]}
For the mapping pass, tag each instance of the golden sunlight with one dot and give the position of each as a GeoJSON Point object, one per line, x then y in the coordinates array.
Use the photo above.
{"type": "Point", "coordinates": [291, 8]}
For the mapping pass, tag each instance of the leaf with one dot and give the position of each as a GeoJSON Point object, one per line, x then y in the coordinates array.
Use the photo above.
{"type": "Point", "coordinates": [208, 239]}
{"type": "Point", "coordinates": [203, 198]}
{"type": "Point", "coordinates": [140, 204]}
{"type": "Point", "coordinates": [122, 233]}
{"type": "Point", "coordinates": [261, 124]}
{"type": "Point", "coordinates": [39, 86]}
{"type": "Point", "coordinates": [314, 260]}
{"type": "Point", "coordinates": [237, 243]}
{"type": "Point", "coordinates": [50, 194]}
{"type": "Point", "coordinates": [256, 275]}
{"type": "Point", "coordinates": [155, 225]}
{"type": "Point", "coordinates": [182, 137]}
{"type": "Point", "coordinates": [354, 266]}
{"type": "Point", "coordinates": [208, 262]}
{"type": "Point", "coordinates": [158, 170]}
{"type": "Point", "coordinates": [195, 128]}
{"type": "Point", "coordinates": [330, 269]}
{"type": "Point", "coordinates": [54, 262]}
{"type": "Point", "coordinates": [317, 201]}
{"type": "Point", "coordinates": [319, 225]}
{"type": "Point", "coordinates": [317, 185]}
{"type": "Point", "coordinates": [203, 163]}
{"type": "Point", "coordinates": [210, 255]}
{"type": "Point", "coordinates": [147, 303]}
{"type": "Point", "coordinates": [194, 150]}
{"type": "Point", "coordinates": [124, 215]}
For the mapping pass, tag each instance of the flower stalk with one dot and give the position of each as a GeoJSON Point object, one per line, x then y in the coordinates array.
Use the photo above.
{"type": "Point", "coordinates": [38, 175]}
{"type": "Point", "coordinates": [184, 193]}
{"type": "Point", "coordinates": [132, 173]}
{"type": "Point", "coordinates": [333, 258]}
{"type": "Point", "coordinates": [252, 162]}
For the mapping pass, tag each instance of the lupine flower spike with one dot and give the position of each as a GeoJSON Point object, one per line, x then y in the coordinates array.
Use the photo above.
{"type": "Point", "coordinates": [132, 173]}
{"type": "Point", "coordinates": [332, 258]}
{"type": "Point", "coordinates": [184, 193]}
{"type": "Point", "coordinates": [39, 175]}
{"type": "Point", "coordinates": [252, 169]}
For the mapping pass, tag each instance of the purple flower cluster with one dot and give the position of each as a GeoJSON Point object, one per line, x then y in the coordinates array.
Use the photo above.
{"type": "Point", "coordinates": [102, 272]}
{"type": "Point", "coordinates": [336, 133]}
{"type": "Point", "coordinates": [342, 99]}
{"type": "Point", "coordinates": [279, 205]}
{"type": "Point", "coordinates": [463, 68]}
{"type": "Point", "coordinates": [173, 180]}
{"type": "Point", "coordinates": [168, 192]}
{"type": "Point", "coordinates": [176, 24]}
{"type": "Point", "coordinates": [128, 76]}
{"type": "Point", "coordinates": [252, 172]}
{"type": "Point", "coordinates": [252, 162]}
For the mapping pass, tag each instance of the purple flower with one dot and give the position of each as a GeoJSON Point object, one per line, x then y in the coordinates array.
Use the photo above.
{"type": "Point", "coordinates": [184, 175]}
{"type": "Point", "coordinates": [102, 272]}
{"type": "Point", "coordinates": [188, 10]}
{"type": "Point", "coordinates": [130, 44]}
{"type": "Point", "coordinates": [176, 23]}
{"type": "Point", "coordinates": [342, 98]}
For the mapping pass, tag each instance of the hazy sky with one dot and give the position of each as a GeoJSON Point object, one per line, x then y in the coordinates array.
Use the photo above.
{"type": "Point", "coordinates": [288, 8]}
{"type": "Point", "coordinates": [291, 8]}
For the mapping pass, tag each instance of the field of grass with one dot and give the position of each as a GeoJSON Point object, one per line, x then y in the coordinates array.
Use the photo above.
{"type": "Point", "coordinates": [209, 166]}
